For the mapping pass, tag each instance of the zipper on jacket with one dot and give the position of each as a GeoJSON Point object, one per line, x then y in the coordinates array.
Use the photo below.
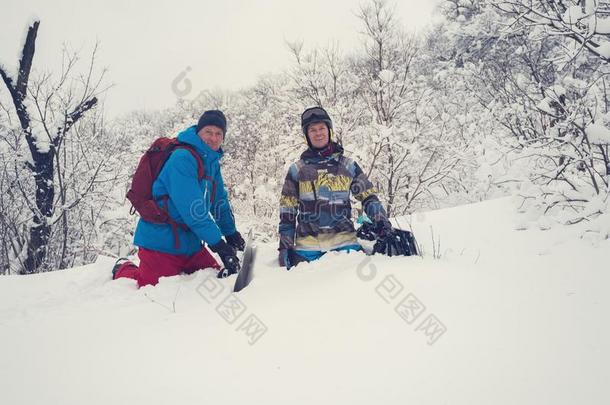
{"type": "Point", "coordinates": [313, 187]}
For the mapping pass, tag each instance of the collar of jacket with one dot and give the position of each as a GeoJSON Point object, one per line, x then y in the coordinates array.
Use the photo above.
{"type": "Point", "coordinates": [313, 156]}
{"type": "Point", "coordinates": [191, 137]}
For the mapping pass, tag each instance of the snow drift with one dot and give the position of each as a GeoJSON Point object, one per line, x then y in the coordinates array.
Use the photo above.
{"type": "Point", "coordinates": [499, 317]}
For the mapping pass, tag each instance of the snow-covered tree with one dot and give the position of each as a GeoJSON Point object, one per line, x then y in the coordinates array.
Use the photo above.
{"type": "Point", "coordinates": [52, 148]}
{"type": "Point", "coordinates": [43, 140]}
{"type": "Point", "coordinates": [544, 78]}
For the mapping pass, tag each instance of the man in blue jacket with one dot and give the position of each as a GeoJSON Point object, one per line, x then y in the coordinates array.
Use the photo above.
{"type": "Point", "coordinates": [201, 205]}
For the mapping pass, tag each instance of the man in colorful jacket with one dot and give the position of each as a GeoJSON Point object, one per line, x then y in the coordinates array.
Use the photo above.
{"type": "Point", "coordinates": [202, 205]}
{"type": "Point", "coordinates": [315, 208]}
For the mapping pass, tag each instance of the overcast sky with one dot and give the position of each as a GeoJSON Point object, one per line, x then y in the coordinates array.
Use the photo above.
{"type": "Point", "coordinates": [217, 44]}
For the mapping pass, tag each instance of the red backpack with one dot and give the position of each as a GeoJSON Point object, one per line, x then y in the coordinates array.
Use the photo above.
{"type": "Point", "coordinates": [149, 167]}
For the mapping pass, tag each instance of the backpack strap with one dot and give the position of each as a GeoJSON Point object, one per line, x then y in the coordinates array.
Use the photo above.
{"type": "Point", "coordinates": [175, 225]}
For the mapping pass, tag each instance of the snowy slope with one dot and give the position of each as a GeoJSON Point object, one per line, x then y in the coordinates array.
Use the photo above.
{"type": "Point", "coordinates": [503, 317]}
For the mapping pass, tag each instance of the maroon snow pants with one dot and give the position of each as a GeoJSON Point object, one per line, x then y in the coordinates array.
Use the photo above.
{"type": "Point", "coordinates": [155, 264]}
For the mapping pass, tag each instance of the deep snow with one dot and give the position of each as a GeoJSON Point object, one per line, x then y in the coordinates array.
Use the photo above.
{"type": "Point", "coordinates": [502, 317]}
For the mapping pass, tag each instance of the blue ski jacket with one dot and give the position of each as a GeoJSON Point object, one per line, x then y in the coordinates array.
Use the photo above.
{"type": "Point", "coordinates": [202, 205]}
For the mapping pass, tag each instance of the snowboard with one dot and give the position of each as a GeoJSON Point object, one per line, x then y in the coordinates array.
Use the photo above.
{"type": "Point", "coordinates": [245, 273]}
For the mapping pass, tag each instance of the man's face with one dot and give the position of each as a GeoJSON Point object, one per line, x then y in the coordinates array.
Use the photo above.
{"type": "Point", "coordinates": [212, 136]}
{"type": "Point", "coordinates": [318, 135]}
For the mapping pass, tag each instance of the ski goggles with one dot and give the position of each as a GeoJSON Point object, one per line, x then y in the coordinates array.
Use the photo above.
{"type": "Point", "coordinates": [314, 113]}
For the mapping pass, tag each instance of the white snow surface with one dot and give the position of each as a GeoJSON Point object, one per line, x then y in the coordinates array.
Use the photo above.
{"type": "Point", "coordinates": [598, 134]}
{"type": "Point", "coordinates": [602, 26]}
{"type": "Point", "coordinates": [521, 317]}
{"type": "Point", "coordinates": [386, 76]}
{"type": "Point", "coordinates": [573, 14]}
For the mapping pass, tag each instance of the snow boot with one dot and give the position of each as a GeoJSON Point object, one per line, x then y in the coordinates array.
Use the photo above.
{"type": "Point", "coordinates": [118, 264]}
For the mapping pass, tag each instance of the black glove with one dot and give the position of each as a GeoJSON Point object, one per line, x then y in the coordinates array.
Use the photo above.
{"type": "Point", "coordinates": [366, 231]}
{"type": "Point", "coordinates": [381, 246]}
{"type": "Point", "coordinates": [236, 241]}
{"type": "Point", "coordinates": [392, 245]}
{"type": "Point", "coordinates": [376, 231]}
{"type": "Point", "coordinates": [228, 257]}
{"type": "Point", "coordinates": [385, 236]}
{"type": "Point", "coordinates": [383, 229]}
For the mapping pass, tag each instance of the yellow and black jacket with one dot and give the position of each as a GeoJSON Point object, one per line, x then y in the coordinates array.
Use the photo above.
{"type": "Point", "coordinates": [315, 208]}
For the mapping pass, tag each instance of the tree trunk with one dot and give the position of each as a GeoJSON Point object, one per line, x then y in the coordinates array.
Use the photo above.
{"type": "Point", "coordinates": [45, 195]}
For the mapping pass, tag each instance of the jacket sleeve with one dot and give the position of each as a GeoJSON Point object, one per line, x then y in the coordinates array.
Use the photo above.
{"type": "Point", "coordinates": [185, 193]}
{"type": "Point", "coordinates": [221, 208]}
{"type": "Point", "coordinates": [289, 207]}
{"type": "Point", "coordinates": [364, 191]}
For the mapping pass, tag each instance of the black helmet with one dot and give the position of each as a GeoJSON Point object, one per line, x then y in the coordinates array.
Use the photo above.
{"type": "Point", "coordinates": [313, 115]}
